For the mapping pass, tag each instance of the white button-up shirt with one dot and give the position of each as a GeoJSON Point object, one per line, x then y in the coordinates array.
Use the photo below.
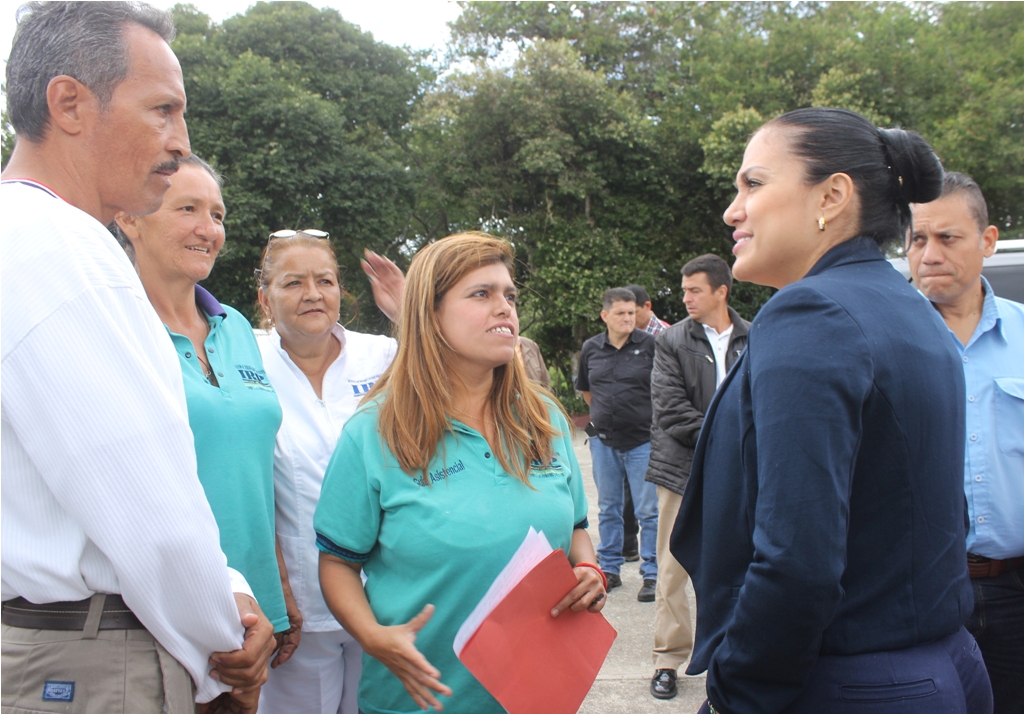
{"type": "Point", "coordinates": [99, 487]}
{"type": "Point", "coordinates": [720, 346]}
{"type": "Point", "coordinates": [305, 443]}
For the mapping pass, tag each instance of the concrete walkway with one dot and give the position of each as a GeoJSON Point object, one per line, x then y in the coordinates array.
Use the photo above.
{"type": "Point", "coordinates": [623, 686]}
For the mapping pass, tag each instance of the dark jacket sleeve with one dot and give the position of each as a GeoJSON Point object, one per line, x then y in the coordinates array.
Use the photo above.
{"type": "Point", "coordinates": [673, 412]}
{"type": "Point", "coordinates": [808, 430]}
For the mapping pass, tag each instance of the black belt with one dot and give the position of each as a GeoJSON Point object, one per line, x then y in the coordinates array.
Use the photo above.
{"type": "Point", "coordinates": [19, 612]}
{"type": "Point", "coordinates": [978, 566]}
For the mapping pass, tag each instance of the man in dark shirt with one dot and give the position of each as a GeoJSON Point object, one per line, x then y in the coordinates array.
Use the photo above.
{"type": "Point", "coordinates": [615, 378]}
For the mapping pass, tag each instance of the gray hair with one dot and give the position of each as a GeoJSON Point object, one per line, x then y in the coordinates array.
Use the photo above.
{"type": "Point", "coordinates": [84, 40]}
{"type": "Point", "coordinates": [193, 160]}
{"type": "Point", "coordinates": [954, 183]}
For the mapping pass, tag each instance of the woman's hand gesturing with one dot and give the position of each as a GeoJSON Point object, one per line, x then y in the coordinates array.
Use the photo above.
{"type": "Point", "coordinates": [387, 282]}
{"type": "Point", "coordinates": [395, 648]}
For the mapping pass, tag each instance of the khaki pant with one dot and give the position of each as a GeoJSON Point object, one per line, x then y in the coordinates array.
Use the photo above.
{"type": "Point", "coordinates": [114, 672]}
{"type": "Point", "coordinates": [673, 632]}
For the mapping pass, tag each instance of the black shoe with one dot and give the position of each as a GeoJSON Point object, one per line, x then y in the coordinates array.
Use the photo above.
{"type": "Point", "coordinates": [663, 684]}
{"type": "Point", "coordinates": [614, 580]}
{"type": "Point", "coordinates": [631, 556]}
{"type": "Point", "coordinates": [646, 593]}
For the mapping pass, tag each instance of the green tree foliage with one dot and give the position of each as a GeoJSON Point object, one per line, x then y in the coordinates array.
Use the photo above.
{"type": "Point", "coordinates": [305, 115]}
{"type": "Point", "coordinates": [702, 77]}
{"type": "Point", "coordinates": [629, 44]}
{"type": "Point", "coordinates": [977, 125]}
{"type": "Point", "coordinates": [549, 156]}
{"type": "Point", "coordinates": [951, 71]}
{"type": "Point", "coordinates": [606, 152]}
{"type": "Point", "coordinates": [723, 147]}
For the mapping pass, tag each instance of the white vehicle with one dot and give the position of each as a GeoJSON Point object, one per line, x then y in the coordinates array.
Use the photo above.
{"type": "Point", "coordinates": [1004, 270]}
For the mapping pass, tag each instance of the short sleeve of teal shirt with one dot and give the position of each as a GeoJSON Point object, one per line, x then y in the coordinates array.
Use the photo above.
{"type": "Point", "coordinates": [441, 543]}
{"type": "Point", "coordinates": [234, 426]}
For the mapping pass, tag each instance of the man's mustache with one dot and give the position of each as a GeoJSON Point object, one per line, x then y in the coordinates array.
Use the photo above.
{"type": "Point", "coordinates": [168, 167]}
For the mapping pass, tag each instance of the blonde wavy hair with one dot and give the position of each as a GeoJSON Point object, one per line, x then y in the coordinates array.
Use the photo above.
{"type": "Point", "coordinates": [416, 390]}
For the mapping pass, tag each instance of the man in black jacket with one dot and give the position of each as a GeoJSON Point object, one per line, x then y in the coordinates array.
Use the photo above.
{"type": "Point", "coordinates": [691, 360]}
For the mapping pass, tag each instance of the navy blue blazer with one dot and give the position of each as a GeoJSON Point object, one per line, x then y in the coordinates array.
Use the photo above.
{"type": "Point", "coordinates": [825, 509]}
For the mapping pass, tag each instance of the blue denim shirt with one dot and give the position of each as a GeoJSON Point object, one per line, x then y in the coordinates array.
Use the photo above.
{"type": "Point", "coordinates": [994, 463]}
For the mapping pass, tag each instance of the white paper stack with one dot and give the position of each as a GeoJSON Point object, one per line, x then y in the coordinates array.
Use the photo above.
{"type": "Point", "coordinates": [532, 550]}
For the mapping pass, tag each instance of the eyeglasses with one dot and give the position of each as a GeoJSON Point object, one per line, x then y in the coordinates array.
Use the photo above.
{"type": "Point", "coordinates": [289, 233]}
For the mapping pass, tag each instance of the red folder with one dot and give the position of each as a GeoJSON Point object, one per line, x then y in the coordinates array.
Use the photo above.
{"type": "Point", "coordinates": [532, 662]}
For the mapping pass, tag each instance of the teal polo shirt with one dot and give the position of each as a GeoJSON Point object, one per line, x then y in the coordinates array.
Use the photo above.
{"type": "Point", "coordinates": [234, 426]}
{"type": "Point", "coordinates": [440, 540]}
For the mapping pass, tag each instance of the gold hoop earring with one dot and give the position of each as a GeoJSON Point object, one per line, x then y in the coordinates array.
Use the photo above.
{"type": "Point", "coordinates": [821, 223]}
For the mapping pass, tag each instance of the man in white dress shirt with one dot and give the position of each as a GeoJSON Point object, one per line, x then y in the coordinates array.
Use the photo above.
{"type": "Point", "coordinates": [690, 362]}
{"type": "Point", "coordinates": [115, 591]}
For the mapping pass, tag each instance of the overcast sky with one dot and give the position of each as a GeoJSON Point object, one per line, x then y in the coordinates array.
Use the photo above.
{"type": "Point", "coordinates": [417, 23]}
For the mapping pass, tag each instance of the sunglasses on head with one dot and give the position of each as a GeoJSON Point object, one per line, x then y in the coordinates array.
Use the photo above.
{"type": "Point", "coordinates": [289, 233]}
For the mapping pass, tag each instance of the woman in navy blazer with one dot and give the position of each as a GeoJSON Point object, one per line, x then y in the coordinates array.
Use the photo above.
{"type": "Point", "coordinates": [823, 522]}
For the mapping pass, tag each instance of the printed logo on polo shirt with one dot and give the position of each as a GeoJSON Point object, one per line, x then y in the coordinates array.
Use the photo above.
{"type": "Point", "coordinates": [254, 378]}
{"type": "Point", "coordinates": [58, 691]}
{"type": "Point", "coordinates": [441, 474]}
{"type": "Point", "coordinates": [539, 470]}
{"type": "Point", "coordinates": [362, 386]}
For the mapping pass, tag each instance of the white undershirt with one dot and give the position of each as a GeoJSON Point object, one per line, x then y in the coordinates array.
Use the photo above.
{"type": "Point", "coordinates": [720, 346]}
{"type": "Point", "coordinates": [99, 488]}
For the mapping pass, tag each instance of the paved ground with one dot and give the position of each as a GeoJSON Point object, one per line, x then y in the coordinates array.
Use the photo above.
{"type": "Point", "coordinates": [623, 686]}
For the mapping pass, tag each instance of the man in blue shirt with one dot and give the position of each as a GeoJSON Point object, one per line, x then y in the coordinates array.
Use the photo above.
{"type": "Point", "coordinates": [948, 243]}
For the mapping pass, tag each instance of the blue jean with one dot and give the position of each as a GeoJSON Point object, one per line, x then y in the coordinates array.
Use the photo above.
{"type": "Point", "coordinates": [611, 469]}
{"type": "Point", "coordinates": [997, 623]}
{"type": "Point", "coordinates": [946, 676]}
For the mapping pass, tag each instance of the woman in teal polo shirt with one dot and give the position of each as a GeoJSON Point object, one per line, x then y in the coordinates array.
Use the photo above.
{"type": "Point", "coordinates": [437, 479]}
{"type": "Point", "coordinates": [232, 409]}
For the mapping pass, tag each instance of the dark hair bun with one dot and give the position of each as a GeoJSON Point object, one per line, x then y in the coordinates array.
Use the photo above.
{"type": "Point", "coordinates": [917, 171]}
{"type": "Point", "coordinates": [890, 168]}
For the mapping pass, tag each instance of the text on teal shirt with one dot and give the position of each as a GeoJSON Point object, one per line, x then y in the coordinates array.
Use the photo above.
{"type": "Point", "coordinates": [234, 426]}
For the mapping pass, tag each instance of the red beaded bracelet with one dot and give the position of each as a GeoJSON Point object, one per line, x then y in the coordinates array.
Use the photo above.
{"type": "Point", "coordinates": [600, 572]}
